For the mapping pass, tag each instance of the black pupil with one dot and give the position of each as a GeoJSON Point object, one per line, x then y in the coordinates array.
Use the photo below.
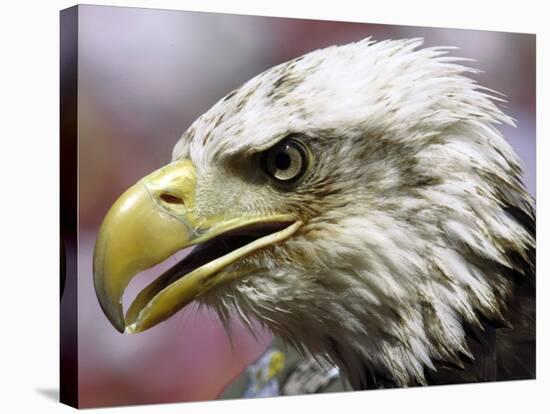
{"type": "Point", "coordinates": [282, 161]}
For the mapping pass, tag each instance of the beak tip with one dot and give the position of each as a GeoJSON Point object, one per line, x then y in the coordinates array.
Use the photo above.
{"type": "Point", "coordinates": [111, 307]}
{"type": "Point", "coordinates": [117, 320]}
{"type": "Point", "coordinates": [120, 328]}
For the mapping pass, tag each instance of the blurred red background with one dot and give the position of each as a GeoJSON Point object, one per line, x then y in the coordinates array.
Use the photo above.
{"type": "Point", "coordinates": [144, 76]}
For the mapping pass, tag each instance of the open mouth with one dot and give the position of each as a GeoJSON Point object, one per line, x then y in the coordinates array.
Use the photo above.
{"type": "Point", "coordinates": [218, 247]}
{"type": "Point", "coordinates": [207, 260]}
{"type": "Point", "coordinates": [152, 221]}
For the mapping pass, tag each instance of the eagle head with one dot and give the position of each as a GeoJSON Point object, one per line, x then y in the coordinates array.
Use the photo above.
{"type": "Point", "coordinates": [359, 201]}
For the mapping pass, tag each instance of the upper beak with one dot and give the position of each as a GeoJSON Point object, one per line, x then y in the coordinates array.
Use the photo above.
{"type": "Point", "coordinates": [150, 222]}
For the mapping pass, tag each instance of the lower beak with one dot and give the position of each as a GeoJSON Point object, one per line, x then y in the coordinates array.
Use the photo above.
{"type": "Point", "coordinates": [153, 220]}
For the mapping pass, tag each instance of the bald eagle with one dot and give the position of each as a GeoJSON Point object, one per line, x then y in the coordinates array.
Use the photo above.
{"type": "Point", "coordinates": [360, 202]}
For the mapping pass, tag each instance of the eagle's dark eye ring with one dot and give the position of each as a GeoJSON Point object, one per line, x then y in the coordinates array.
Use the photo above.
{"type": "Point", "coordinates": [287, 161]}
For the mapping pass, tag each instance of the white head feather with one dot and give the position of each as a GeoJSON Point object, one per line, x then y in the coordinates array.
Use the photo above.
{"type": "Point", "coordinates": [404, 210]}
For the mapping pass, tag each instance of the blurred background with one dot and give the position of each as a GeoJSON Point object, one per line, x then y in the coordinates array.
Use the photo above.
{"type": "Point", "coordinates": [144, 76]}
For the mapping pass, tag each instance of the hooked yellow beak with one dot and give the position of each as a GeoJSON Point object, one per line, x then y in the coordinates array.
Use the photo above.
{"type": "Point", "coordinates": [154, 219]}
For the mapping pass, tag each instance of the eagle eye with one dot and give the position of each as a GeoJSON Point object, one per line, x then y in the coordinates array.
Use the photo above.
{"type": "Point", "coordinates": [287, 161]}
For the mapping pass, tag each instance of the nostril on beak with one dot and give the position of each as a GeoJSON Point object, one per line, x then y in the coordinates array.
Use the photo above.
{"type": "Point", "coordinates": [172, 199]}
